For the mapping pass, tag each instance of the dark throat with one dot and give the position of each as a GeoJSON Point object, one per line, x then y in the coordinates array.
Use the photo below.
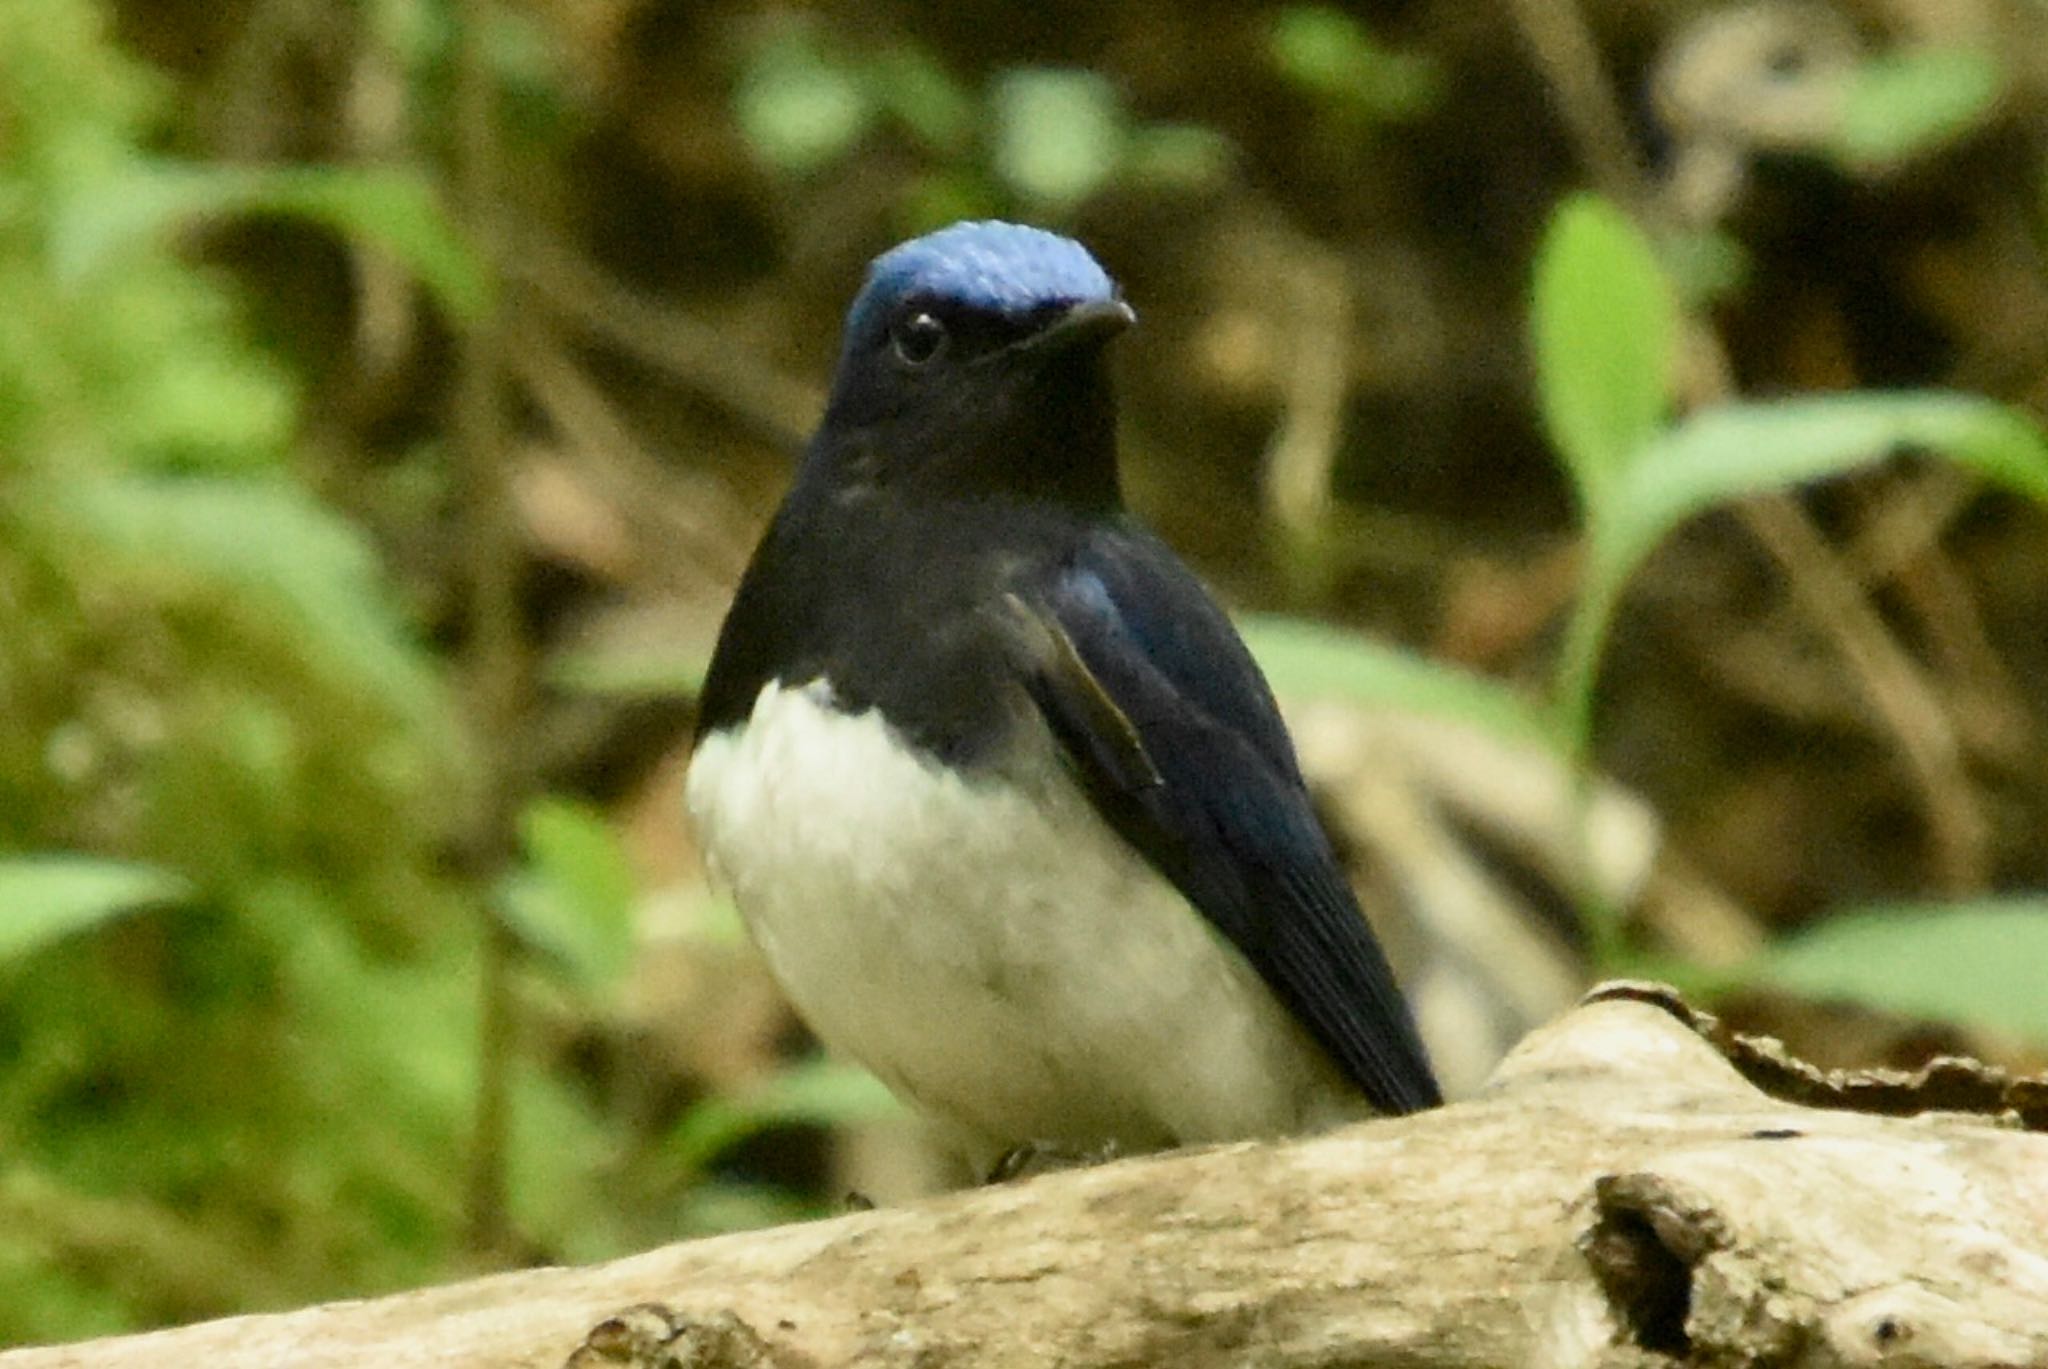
{"type": "Point", "coordinates": [1045, 434]}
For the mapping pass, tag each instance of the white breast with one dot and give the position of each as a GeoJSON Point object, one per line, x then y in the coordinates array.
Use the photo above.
{"type": "Point", "coordinates": [989, 947]}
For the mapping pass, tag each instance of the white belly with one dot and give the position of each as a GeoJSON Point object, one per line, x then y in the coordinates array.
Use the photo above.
{"type": "Point", "coordinates": [991, 949]}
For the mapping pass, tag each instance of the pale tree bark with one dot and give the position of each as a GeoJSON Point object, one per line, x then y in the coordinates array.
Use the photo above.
{"type": "Point", "coordinates": [1623, 1193]}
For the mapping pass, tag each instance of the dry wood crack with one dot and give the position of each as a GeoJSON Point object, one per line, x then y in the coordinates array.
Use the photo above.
{"type": "Point", "coordinates": [1620, 1194]}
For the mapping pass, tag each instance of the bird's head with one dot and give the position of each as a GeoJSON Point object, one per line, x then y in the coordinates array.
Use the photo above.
{"type": "Point", "coordinates": [972, 365]}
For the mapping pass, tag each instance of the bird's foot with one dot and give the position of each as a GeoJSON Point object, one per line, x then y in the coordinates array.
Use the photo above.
{"type": "Point", "coordinates": [1048, 1157]}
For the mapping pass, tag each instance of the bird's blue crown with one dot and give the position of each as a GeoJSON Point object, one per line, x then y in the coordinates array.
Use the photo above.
{"type": "Point", "coordinates": [985, 264]}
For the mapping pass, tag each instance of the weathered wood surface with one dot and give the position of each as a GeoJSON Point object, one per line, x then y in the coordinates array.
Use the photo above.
{"type": "Point", "coordinates": [1620, 1195]}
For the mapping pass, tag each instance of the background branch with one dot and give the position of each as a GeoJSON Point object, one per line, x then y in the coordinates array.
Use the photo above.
{"type": "Point", "coordinates": [497, 665]}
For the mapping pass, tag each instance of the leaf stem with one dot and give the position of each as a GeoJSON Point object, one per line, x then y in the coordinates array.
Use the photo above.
{"type": "Point", "coordinates": [1577, 677]}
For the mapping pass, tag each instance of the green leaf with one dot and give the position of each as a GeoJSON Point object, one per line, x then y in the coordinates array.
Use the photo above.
{"type": "Point", "coordinates": [1059, 134]}
{"type": "Point", "coordinates": [1178, 156]}
{"type": "Point", "coordinates": [622, 673]}
{"type": "Point", "coordinates": [1974, 963]}
{"type": "Point", "coordinates": [816, 1092]}
{"type": "Point", "coordinates": [1605, 325]}
{"type": "Point", "coordinates": [1905, 103]}
{"type": "Point", "coordinates": [46, 898]}
{"type": "Point", "coordinates": [198, 404]}
{"type": "Point", "coordinates": [1724, 453]}
{"type": "Point", "coordinates": [574, 898]}
{"type": "Point", "coordinates": [1330, 54]}
{"type": "Point", "coordinates": [918, 90]}
{"type": "Point", "coordinates": [799, 109]}
{"type": "Point", "coordinates": [716, 1206]}
{"type": "Point", "coordinates": [1706, 265]}
{"type": "Point", "coordinates": [394, 210]}
{"type": "Point", "coordinates": [560, 1165]}
{"type": "Point", "coordinates": [1308, 659]}
{"type": "Point", "coordinates": [1740, 449]}
{"type": "Point", "coordinates": [937, 197]}
{"type": "Point", "coordinates": [266, 551]}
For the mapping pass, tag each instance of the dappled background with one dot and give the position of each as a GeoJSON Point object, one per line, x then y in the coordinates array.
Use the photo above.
{"type": "Point", "coordinates": [390, 393]}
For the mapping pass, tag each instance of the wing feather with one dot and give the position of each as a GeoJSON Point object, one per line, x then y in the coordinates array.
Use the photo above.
{"type": "Point", "coordinates": [1175, 736]}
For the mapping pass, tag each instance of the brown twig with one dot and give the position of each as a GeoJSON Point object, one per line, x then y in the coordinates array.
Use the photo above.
{"type": "Point", "coordinates": [1919, 723]}
{"type": "Point", "coordinates": [497, 662]}
{"type": "Point", "coordinates": [1899, 542]}
{"type": "Point", "coordinates": [1569, 58]}
{"type": "Point", "coordinates": [697, 522]}
{"type": "Point", "coordinates": [777, 408]}
{"type": "Point", "coordinates": [1303, 450]}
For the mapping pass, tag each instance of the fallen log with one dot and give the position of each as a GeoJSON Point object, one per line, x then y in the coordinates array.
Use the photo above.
{"type": "Point", "coordinates": [1632, 1188]}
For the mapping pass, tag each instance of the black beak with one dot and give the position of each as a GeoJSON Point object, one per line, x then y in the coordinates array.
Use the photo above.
{"type": "Point", "coordinates": [1090, 321]}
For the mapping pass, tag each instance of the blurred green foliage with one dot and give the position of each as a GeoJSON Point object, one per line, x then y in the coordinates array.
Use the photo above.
{"type": "Point", "coordinates": [1902, 104]}
{"type": "Point", "coordinates": [1035, 141]}
{"type": "Point", "coordinates": [256, 1087]}
{"type": "Point", "coordinates": [1308, 660]}
{"type": "Point", "coordinates": [1331, 55]}
{"type": "Point", "coordinates": [146, 198]}
{"type": "Point", "coordinates": [1606, 337]}
{"type": "Point", "coordinates": [211, 710]}
{"type": "Point", "coordinates": [238, 995]}
{"type": "Point", "coordinates": [572, 899]}
{"type": "Point", "coordinates": [1976, 962]}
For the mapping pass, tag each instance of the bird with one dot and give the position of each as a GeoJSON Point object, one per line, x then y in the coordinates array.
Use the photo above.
{"type": "Point", "coordinates": [999, 792]}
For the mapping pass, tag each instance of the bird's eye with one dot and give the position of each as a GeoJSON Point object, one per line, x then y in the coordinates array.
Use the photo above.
{"type": "Point", "coordinates": [917, 339]}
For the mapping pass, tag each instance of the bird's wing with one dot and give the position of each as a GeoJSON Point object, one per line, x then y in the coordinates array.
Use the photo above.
{"type": "Point", "coordinates": [1170, 726]}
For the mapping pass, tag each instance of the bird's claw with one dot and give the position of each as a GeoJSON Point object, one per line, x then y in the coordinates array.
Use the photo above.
{"type": "Point", "coordinates": [1033, 1158]}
